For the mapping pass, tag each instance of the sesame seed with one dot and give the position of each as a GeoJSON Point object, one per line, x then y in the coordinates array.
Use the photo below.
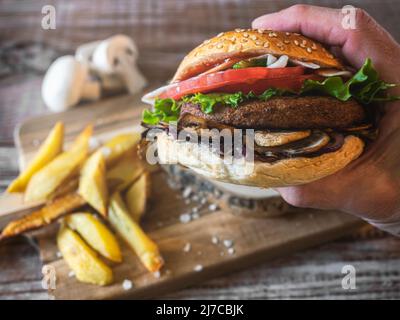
{"type": "Point", "coordinates": [245, 34]}
{"type": "Point", "coordinates": [302, 45]}
{"type": "Point", "coordinates": [271, 34]}
{"type": "Point", "coordinates": [127, 284]}
{"type": "Point", "coordinates": [253, 37]}
{"type": "Point", "coordinates": [309, 50]}
{"type": "Point", "coordinates": [187, 247]}
{"type": "Point", "coordinates": [286, 41]}
{"type": "Point", "coordinates": [228, 243]}
{"type": "Point", "coordinates": [266, 44]}
{"type": "Point", "coordinates": [258, 43]}
{"type": "Point", "coordinates": [314, 46]}
{"type": "Point", "coordinates": [220, 34]}
{"type": "Point", "coordinates": [244, 40]}
{"type": "Point", "coordinates": [219, 46]}
{"type": "Point", "coordinates": [198, 268]}
{"type": "Point", "coordinates": [296, 42]}
{"type": "Point", "coordinates": [330, 56]}
{"type": "Point", "coordinates": [287, 33]}
{"type": "Point", "coordinates": [207, 41]}
{"type": "Point", "coordinates": [237, 30]}
{"type": "Point", "coordinates": [304, 42]}
{"type": "Point", "coordinates": [260, 31]}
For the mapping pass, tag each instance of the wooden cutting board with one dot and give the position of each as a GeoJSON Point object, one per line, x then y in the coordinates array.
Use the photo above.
{"type": "Point", "coordinates": [255, 238]}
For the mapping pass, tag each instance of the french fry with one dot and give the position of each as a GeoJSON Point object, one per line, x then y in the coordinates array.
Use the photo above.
{"type": "Point", "coordinates": [137, 195]}
{"type": "Point", "coordinates": [65, 165]}
{"type": "Point", "coordinates": [127, 170]}
{"type": "Point", "coordinates": [82, 259]}
{"type": "Point", "coordinates": [96, 235]}
{"type": "Point", "coordinates": [145, 248]}
{"type": "Point", "coordinates": [92, 183]}
{"type": "Point", "coordinates": [117, 146]}
{"type": "Point", "coordinates": [49, 149]}
{"type": "Point", "coordinates": [43, 216]}
{"type": "Point", "coordinates": [69, 186]}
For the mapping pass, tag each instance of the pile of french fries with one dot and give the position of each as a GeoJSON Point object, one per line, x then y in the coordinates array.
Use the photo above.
{"type": "Point", "coordinates": [111, 180]}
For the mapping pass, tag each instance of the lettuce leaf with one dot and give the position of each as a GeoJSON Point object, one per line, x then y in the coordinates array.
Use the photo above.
{"type": "Point", "coordinates": [365, 86]}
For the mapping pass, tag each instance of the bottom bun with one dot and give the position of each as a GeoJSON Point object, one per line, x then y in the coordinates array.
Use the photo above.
{"type": "Point", "coordinates": [286, 172]}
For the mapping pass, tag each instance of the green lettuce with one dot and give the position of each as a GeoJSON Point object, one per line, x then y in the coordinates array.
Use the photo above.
{"type": "Point", "coordinates": [365, 86]}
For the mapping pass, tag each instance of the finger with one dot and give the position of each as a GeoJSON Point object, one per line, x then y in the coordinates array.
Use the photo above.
{"type": "Point", "coordinates": [308, 21]}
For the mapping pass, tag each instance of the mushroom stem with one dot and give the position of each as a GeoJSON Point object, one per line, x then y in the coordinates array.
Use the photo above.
{"type": "Point", "coordinates": [91, 90]}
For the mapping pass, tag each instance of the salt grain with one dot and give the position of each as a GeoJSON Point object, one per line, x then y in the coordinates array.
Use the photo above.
{"type": "Point", "coordinates": [198, 268]}
{"type": "Point", "coordinates": [127, 284]}
{"type": "Point", "coordinates": [106, 151]}
{"type": "Point", "coordinates": [185, 218]}
{"type": "Point", "coordinates": [93, 143]}
{"type": "Point", "coordinates": [214, 240]}
{"type": "Point", "coordinates": [186, 193]}
{"type": "Point", "coordinates": [231, 251]}
{"type": "Point", "coordinates": [187, 247]}
{"type": "Point", "coordinates": [228, 243]}
{"type": "Point", "coordinates": [213, 207]}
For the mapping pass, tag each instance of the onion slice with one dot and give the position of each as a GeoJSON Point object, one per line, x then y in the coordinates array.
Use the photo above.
{"type": "Point", "coordinates": [309, 65]}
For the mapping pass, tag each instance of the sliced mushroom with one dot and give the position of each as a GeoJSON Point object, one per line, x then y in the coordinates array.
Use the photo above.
{"type": "Point", "coordinates": [316, 141]}
{"type": "Point", "coordinates": [66, 83]}
{"type": "Point", "coordinates": [277, 138]}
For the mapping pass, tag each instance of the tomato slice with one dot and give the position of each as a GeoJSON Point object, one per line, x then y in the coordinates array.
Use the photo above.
{"type": "Point", "coordinates": [256, 79]}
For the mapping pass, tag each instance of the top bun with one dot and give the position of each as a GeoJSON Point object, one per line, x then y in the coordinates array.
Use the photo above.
{"type": "Point", "coordinates": [247, 43]}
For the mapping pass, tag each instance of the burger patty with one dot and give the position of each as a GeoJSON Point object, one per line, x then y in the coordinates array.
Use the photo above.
{"type": "Point", "coordinates": [285, 113]}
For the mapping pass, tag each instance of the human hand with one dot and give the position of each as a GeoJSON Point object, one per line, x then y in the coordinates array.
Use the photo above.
{"type": "Point", "coordinates": [370, 186]}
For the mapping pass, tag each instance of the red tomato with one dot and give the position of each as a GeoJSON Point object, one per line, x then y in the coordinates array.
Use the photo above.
{"type": "Point", "coordinates": [256, 79]}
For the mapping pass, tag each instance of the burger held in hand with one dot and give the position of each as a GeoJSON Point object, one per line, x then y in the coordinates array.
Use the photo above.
{"type": "Point", "coordinates": [308, 115]}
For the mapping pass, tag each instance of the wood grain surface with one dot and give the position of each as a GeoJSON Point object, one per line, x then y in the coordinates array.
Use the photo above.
{"type": "Point", "coordinates": [255, 238]}
{"type": "Point", "coordinates": [164, 31]}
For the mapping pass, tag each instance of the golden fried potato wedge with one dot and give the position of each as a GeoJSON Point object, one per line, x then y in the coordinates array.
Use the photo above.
{"type": "Point", "coordinates": [96, 235]}
{"type": "Point", "coordinates": [124, 172]}
{"type": "Point", "coordinates": [43, 217]}
{"type": "Point", "coordinates": [117, 146]}
{"type": "Point", "coordinates": [137, 195]}
{"type": "Point", "coordinates": [82, 259]}
{"type": "Point", "coordinates": [49, 149]}
{"type": "Point", "coordinates": [65, 165]}
{"type": "Point", "coordinates": [92, 183]}
{"type": "Point", "coordinates": [132, 233]}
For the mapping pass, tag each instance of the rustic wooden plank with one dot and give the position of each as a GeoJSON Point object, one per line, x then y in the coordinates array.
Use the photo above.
{"type": "Point", "coordinates": [187, 24]}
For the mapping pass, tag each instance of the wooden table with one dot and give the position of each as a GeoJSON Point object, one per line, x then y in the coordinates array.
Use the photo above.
{"type": "Point", "coordinates": [164, 30]}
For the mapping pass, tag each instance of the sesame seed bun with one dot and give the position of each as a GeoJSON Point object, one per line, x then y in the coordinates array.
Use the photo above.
{"type": "Point", "coordinates": [286, 172]}
{"type": "Point", "coordinates": [247, 43]}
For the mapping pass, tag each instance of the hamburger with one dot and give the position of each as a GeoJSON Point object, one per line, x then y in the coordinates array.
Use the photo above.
{"type": "Point", "coordinates": [303, 114]}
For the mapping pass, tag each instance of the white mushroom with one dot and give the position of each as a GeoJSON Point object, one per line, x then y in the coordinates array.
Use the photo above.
{"type": "Point", "coordinates": [66, 83]}
{"type": "Point", "coordinates": [117, 55]}
{"type": "Point", "coordinates": [108, 82]}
